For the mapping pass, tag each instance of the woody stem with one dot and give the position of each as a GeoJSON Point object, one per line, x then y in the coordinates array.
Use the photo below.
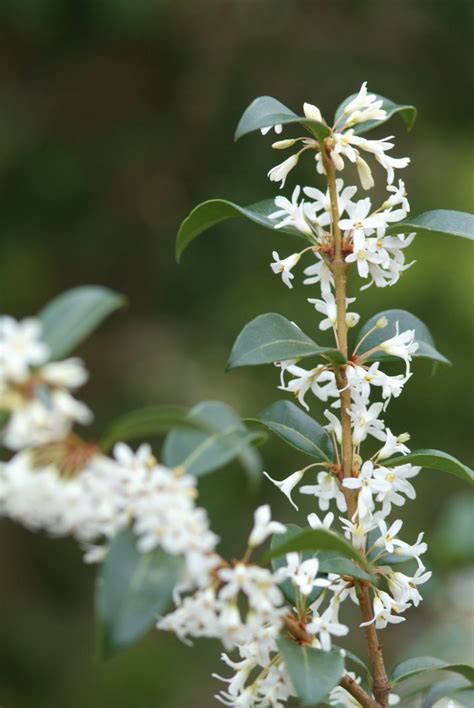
{"type": "Point", "coordinates": [381, 685]}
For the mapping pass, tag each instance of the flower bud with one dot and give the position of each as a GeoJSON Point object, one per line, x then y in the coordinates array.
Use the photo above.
{"type": "Point", "coordinates": [283, 144]}
{"type": "Point", "coordinates": [352, 319]}
{"type": "Point", "coordinates": [403, 437]}
{"type": "Point", "coordinates": [312, 112]}
{"type": "Point", "coordinates": [381, 323]}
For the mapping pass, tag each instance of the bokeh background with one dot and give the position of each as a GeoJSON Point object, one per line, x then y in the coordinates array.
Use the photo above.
{"type": "Point", "coordinates": [116, 117]}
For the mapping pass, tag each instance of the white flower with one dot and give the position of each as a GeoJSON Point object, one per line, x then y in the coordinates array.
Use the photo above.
{"type": "Point", "coordinates": [388, 535]}
{"type": "Point", "coordinates": [412, 551]}
{"type": "Point", "coordinates": [327, 307]}
{"type": "Point", "coordinates": [278, 128]}
{"type": "Point", "coordinates": [20, 347]}
{"type": "Point", "coordinates": [263, 526]}
{"type": "Point", "coordinates": [280, 172]}
{"type": "Point", "coordinates": [363, 107]}
{"type": "Point", "coordinates": [283, 366]}
{"type": "Point", "coordinates": [319, 272]}
{"type": "Point", "coordinates": [383, 613]}
{"type": "Point", "coordinates": [285, 266]}
{"type": "Point", "coordinates": [357, 531]}
{"type": "Point", "coordinates": [367, 485]}
{"type": "Point", "coordinates": [303, 573]}
{"type": "Point", "coordinates": [393, 444]}
{"type": "Point", "coordinates": [404, 588]}
{"type": "Point", "coordinates": [311, 380]}
{"type": "Point", "coordinates": [292, 213]}
{"type": "Point", "coordinates": [325, 490]}
{"type": "Point", "coordinates": [365, 421]}
{"type": "Point", "coordinates": [316, 523]}
{"type": "Point", "coordinates": [403, 345]}
{"type": "Point", "coordinates": [69, 373]}
{"type": "Point", "coordinates": [398, 484]}
{"type": "Point", "coordinates": [325, 626]}
{"type": "Point", "coordinates": [287, 485]}
{"type": "Point", "coordinates": [361, 223]}
{"type": "Point", "coordinates": [334, 426]}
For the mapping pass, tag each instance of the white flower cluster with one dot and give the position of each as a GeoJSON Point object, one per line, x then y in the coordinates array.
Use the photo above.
{"type": "Point", "coordinates": [35, 393]}
{"type": "Point", "coordinates": [107, 495]}
{"type": "Point", "coordinates": [244, 607]}
{"type": "Point", "coordinates": [377, 485]}
{"type": "Point", "coordinates": [378, 255]}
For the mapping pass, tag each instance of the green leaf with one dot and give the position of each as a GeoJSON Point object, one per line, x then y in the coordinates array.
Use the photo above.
{"type": "Point", "coordinates": [464, 696]}
{"type": "Point", "coordinates": [132, 590]}
{"type": "Point", "coordinates": [72, 316]}
{"type": "Point", "coordinates": [412, 667]}
{"type": "Point", "coordinates": [203, 452]}
{"type": "Point", "coordinates": [4, 415]}
{"type": "Point", "coordinates": [317, 540]}
{"type": "Point", "coordinates": [426, 346]}
{"type": "Point", "coordinates": [442, 689]}
{"type": "Point", "coordinates": [212, 212]}
{"type": "Point", "coordinates": [148, 422]}
{"type": "Point", "coordinates": [440, 221]}
{"type": "Point", "coordinates": [329, 562]}
{"type": "Point", "coordinates": [298, 429]}
{"type": "Point", "coordinates": [313, 672]}
{"type": "Point", "coordinates": [407, 113]}
{"type": "Point", "coordinates": [270, 338]}
{"type": "Point", "coordinates": [267, 111]}
{"type": "Point", "coordinates": [436, 460]}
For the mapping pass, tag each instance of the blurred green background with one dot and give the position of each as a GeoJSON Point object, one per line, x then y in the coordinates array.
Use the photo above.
{"type": "Point", "coordinates": [116, 117]}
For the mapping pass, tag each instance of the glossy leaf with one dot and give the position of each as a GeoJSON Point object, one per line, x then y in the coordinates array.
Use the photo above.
{"type": "Point", "coordinates": [442, 689]}
{"type": "Point", "coordinates": [148, 422]}
{"type": "Point", "coordinates": [203, 452]}
{"type": "Point", "coordinates": [71, 317]}
{"type": "Point", "coordinates": [407, 113]}
{"type": "Point", "coordinates": [317, 540]}
{"type": "Point", "coordinates": [412, 667]}
{"type": "Point", "coordinates": [270, 338]}
{"type": "Point", "coordinates": [267, 111]}
{"type": "Point", "coordinates": [132, 590]}
{"type": "Point", "coordinates": [438, 221]}
{"type": "Point", "coordinates": [426, 346]}
{"type": "Point", "coordinates": [214, 211]}
{"type": "Point", "coordinates": [298, 429]}
{"type": "Point", "coordinates": [313, 672]}
{"type": "Point", "coordinates": [436, 460]}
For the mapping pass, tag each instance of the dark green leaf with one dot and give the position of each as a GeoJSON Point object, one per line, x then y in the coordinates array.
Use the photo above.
{"type": "Point", "coordinates": [298, 429]}
{"type": "Point", "coordinates": [204, 452]}
{"type": "Point", "coordinates": [420, 664]}
{"type": "Point", "coordinates": [148, 422]}
{"type": "Point", "coordinates": [438, 221]}
{"type": "Point", "coordinates": [214, 211]}
{"type": "Point", "coordinates": [407, 113]}
{"type": "Point", "coordinates": [317, 540]}
{"type": "Point", "coordinates": [426, 346]}
{"type": "Point", "coordinates": [270, 338]}
{"type": "Point", "coordinates": [4, 415]}
{"type": "Point", "coordinates": [313, 672]}
{"type": "Point", "coordinates": [436, 460]}
{"type": "Point", "coordinates": [71, 317]}
{"type": "Point", "coordinates": [267, 111]}
{"type": "Point", "coordinates": [442, 689]}
{"type": "Point", "coordinates": [132, 590]}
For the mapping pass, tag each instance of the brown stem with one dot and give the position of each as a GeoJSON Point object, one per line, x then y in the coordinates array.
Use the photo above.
{"type": "Point", "coordinates": [302, 637]}
{"type": "Point", "coordinates": [358, 692]}
{"type": "Point", "coordinates": [381, 685]}
{"type": "Point", "coordinates": [339, 270]}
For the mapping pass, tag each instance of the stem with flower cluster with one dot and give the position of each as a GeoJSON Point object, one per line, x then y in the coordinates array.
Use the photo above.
{"type": "Point", "coordinates": [381, 684]}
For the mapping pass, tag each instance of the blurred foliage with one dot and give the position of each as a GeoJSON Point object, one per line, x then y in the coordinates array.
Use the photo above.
{"type": "Point", "coordinates": [116, 117]}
